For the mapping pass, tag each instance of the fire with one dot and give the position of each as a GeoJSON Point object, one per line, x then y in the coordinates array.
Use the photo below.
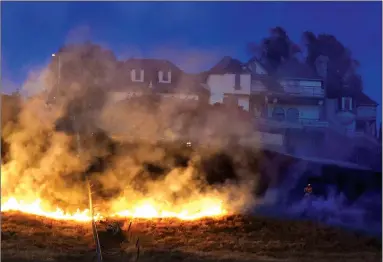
{"type": "Point", "coordinates": [35, 208]}
{"type": "Point", "coordinates": [24, 197]}
{"type": "Point", "coordinates": [191, 211]}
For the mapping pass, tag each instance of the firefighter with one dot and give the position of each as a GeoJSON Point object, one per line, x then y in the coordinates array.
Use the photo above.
{"type": "Point", "coordinates": [308, 190]}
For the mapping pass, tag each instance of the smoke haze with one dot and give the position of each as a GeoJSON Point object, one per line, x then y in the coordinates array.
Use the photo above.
{"type": "Point", "coordinates": [134, 153]}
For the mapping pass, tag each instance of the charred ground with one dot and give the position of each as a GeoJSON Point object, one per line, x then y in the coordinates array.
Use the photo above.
{"type": "Point", "coordinates": [234, 238]}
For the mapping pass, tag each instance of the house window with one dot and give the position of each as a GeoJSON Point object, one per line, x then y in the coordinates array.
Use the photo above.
{"type": "Point", "coordinates": [347, 103]}
{"type": "Point", "coordinates": [237, 82]}
{"type": "Point", "coordinates": [279, 113]}
{"type": "Point", "coordinates": [292, 115]}
{"type": "Point", "coordinates": [164, 77]}
{"type": "Point", "coordinates": [137, 75]}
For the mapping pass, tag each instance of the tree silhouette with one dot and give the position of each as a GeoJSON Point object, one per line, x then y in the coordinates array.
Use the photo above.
{"type": "Point", "coordinates": [278, 48]}
{"type": "Point", "coordinates": [342, 68]}
{"type": "Point", "coordinates": [274, 49]}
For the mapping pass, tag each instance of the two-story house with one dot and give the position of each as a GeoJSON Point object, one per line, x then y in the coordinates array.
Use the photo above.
{"type": "Point", "coordinates": [229, 83]}
{"type": "Point", "coordinates": [293, 101]}
{"type": "Point", "coordinates": [149, 86]}
{"type": "Point", "coordinates": [353, 115]}
{"type": "Point", "coordinates": [232, 83]}
{"type": "Point", "coordinates": [295, 108]}
{"type": "Point", "coordinates": [155, 77]}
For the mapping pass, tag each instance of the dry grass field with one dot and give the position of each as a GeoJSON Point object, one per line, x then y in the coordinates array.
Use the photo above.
{"type": "Point", "coordinates": [236, 238]}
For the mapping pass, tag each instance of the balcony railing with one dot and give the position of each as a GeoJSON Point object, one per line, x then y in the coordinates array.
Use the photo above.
{"type": "Point", "coordinates": [304, 91]}
{"type": "Point", "coordinates": [299, 123]}
{"type": "Point", "coordinates": [313, 122]}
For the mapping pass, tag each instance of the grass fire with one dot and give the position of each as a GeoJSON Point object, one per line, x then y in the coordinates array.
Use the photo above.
{"type": "Point", "coordinates": [176, 169]}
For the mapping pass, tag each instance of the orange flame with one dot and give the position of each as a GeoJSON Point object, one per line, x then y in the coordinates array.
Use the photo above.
{"type": "Point", "coordinates": [24, 198]}
{"type": "Point", "coordinates": [205, 208]}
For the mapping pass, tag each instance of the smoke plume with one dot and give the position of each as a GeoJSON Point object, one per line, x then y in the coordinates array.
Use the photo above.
{"type": "Point", "coordinates": [131, 150]}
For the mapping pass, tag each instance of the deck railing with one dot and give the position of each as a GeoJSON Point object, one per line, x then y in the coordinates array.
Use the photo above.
{"type": "Point", "coordinates": [304, 91]}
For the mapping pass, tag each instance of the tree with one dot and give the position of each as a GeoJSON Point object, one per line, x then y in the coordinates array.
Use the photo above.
{"type": "Point", "coordinates": [342, 68]}
{"type": "Point", "coordinates": [275, 48]}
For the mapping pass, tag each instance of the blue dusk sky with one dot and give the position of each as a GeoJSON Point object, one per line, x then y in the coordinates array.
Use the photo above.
{"type": "Point", "coordinates": [194, 35]}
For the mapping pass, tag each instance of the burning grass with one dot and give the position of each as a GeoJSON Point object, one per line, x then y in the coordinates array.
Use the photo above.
{"type": "Point", "coordinates": [233, 238]}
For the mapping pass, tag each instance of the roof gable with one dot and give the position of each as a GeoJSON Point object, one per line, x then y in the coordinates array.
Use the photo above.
{"type": "Point", "coordinates": [181, 82]}
{"type": "Point", "coordinates": [151, 65]}
{"type": "Point", "coordinates": [228, 65]}
{"type": "Point", "coordinates": [258, 63]}
{"type": "Point", "coordinates": [363, 99]}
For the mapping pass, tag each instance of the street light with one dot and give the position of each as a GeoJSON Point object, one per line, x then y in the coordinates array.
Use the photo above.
{"type": "Point", "coordinates": [58, 67]}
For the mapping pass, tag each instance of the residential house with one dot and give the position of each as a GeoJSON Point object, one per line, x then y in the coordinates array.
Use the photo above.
{"type": "Point", "coordinates": [293, 101]}
{"type": "Point", "coordinates": [156, 77]}
{"type": "Point", "coordinates": [229, 82]}
{"type": "Point", "coordinates": [159, 85]}
{"type": "Point", "coordinates": [232, 83]}
{"type": "Point", "coordinates": [353, 115]}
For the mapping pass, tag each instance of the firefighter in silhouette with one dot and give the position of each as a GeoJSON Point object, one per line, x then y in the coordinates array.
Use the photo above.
{"type": "Point", "coordinates": [308, 190]}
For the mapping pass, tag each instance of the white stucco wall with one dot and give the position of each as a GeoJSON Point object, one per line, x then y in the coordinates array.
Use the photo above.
{"type": "Point", "coordinates": [305, 111]}
{"type": "Point", "coordinates": [225, 84]}
{"type": "Point", "coordinates": [244, 102]}
{"type": "Point", "coordinates": [216, 98]}
{"type": "Point", "coordinates": [219, 85]}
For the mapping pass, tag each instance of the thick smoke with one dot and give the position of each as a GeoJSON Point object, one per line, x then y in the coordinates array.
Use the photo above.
{"type": "Point", "coordinates": [353, 202]}
{"type": "Point", "coordinates": [69, 129]}
{"type": "Point", "coordinates": [133, 150]}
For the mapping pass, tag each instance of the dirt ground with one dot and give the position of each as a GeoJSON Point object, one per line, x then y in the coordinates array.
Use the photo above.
{"type": "Point", "coordinates": [235, 238]}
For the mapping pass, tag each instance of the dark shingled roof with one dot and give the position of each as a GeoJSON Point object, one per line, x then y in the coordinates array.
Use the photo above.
{"type": "Point", "coordinates": [229, 65]}
{"type": "Point", "coordinates": [358, 95]}
{"type": "Point", "coordinates": [363, 99]}
{"type": "Point", "coordinates": [180, 81]}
